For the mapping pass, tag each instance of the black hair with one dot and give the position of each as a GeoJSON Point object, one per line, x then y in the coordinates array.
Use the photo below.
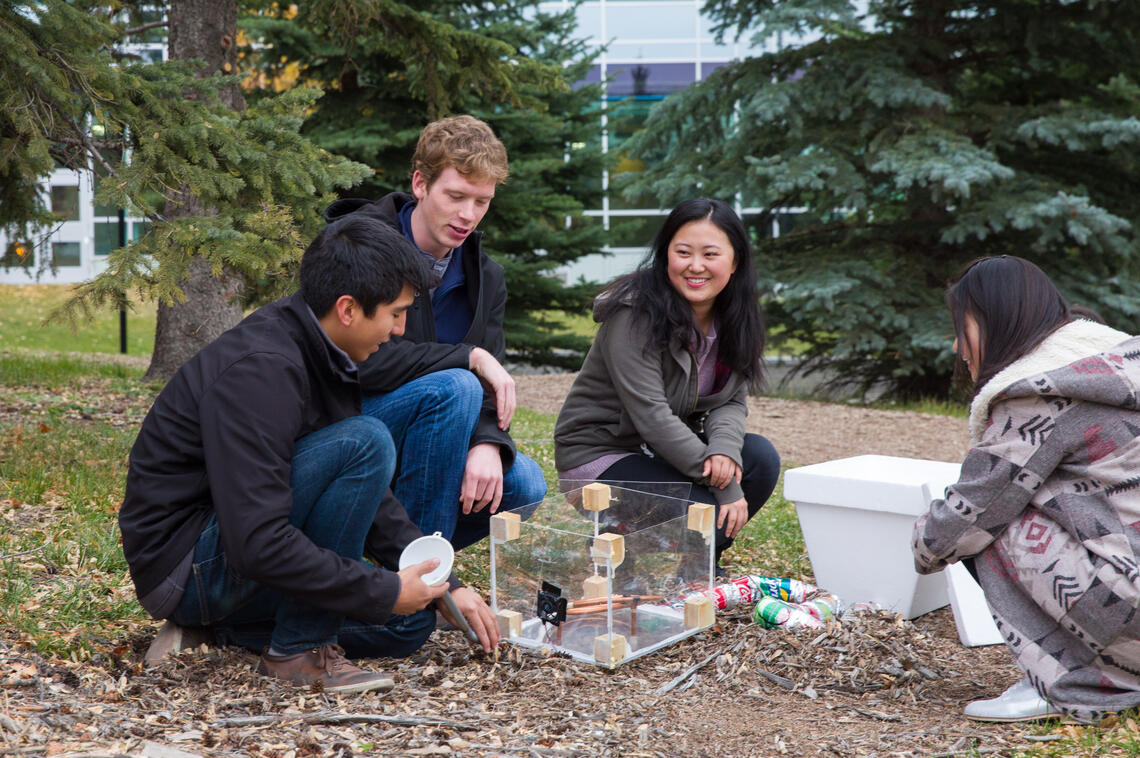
{"type": "Point", "coordinates": [362, 257]}
{"type": "Point", "coordinates": [740, 323]}
{"type": "Point", "coordinates": [1015, 304]}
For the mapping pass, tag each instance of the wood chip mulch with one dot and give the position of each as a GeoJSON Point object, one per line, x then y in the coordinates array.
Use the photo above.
{"type": "Point", "coordinates": [871, 685]}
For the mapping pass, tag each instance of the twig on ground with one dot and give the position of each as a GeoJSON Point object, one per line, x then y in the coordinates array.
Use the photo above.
{"type": "Point", "coordinates": [782, 681]}
{"type": "Point", "coordinates": [328, 717]}
{"type": "Point", "coordinates": [877, 715]}
{"type": "Point", "coordinates": [29, 551]}
{"type": "Point", "coordinates": [670, 686]}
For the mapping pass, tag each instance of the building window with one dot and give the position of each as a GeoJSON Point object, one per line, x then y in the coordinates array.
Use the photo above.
{"type": "Point", "coordinates": [64, 254]}
{"type": "Point", "coordinates": [634, 231]}
{"type": "Point", "coordinates": [65, 202]}
{"type": "Point", "coordinates": [106, 237]}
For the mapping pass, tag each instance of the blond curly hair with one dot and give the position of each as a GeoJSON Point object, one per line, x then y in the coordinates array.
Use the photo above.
{"type": "Point", "coordinates": [464, 143]}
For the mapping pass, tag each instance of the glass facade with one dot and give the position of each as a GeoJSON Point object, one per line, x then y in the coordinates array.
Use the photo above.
{"type": "Point", "coordinates": [653, 48]}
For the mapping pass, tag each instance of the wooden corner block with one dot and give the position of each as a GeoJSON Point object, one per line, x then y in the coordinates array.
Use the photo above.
{"type": "Point", "coordinates": [699, 612]}
{"type": "Point", "coordinates": [510, 623]}
{"type": "Point", "coordinates": [609, 548]}
{"type": "Point", "coordinates": [596, 496]}
{"type": "Point", "coordinates": [595, 586]}
{"type": "Point", "coordinates": [610, 649]}
{"type": "Point", "coordinates": [702, 518]}
{"type": "Point", "coordinates": [505, 526]}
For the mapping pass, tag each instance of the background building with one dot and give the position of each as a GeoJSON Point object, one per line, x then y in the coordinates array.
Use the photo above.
{"type": "Point", "coordinates": [652, 48]}
{"type": "Point", "coordinates": [76, 248]}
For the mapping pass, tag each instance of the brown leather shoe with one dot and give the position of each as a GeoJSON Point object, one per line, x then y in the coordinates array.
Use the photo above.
{"type": "Point", "coordinates": [171, 638]}
{"type": "Point", "coordinates": [327, 665]}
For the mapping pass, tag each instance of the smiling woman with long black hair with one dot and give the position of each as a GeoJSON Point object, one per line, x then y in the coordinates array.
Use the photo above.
{"type": "Point", "coordinates": [661, 396]}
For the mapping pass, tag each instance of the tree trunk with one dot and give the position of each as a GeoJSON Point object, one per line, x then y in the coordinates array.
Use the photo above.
{"type": "Point", "coordinates": [205, 30]}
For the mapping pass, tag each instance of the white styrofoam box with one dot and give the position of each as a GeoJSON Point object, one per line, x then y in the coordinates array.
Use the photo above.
{"type": "Point", "coordinates": [971, 612]}
{"type": "Point", "coordinates": [857, 515]}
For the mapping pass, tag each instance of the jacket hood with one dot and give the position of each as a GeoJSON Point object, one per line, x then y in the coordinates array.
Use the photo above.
{"type": "Point", "coordinates": [1098, 370]}
{"type": "Point", "coordinates": [386, 208]}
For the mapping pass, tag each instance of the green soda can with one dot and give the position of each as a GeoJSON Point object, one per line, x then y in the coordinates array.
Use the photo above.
{"type": "Point", "coordinates": [771, 613]}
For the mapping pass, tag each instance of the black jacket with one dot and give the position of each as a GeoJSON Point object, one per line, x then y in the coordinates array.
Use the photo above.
{"type": "Point", "coordinates": [220, 438]}
{"type": "Point", "coordinates": [398, 362]}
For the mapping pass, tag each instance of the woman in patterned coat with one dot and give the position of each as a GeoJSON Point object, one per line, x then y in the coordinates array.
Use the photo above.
{"type": "Point", "coordinates": [1047, 509]}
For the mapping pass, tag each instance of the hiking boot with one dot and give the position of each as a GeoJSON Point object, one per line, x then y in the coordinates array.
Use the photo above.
{"type": "Point", "coordinates": [172, 638]}
{"type": "Point", "coordinates": [325, 664]}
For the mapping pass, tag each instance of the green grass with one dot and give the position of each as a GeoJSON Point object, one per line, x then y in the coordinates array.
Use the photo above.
{"type": "Point", "coordinates": [24, 308]}
{"type": "Point", "coordinates": [582, 324]}
{"type": "Point", "coordinates": [64, 586]}
{"type": "Point", "coordinates": [47, 369]}
{"type": "Point", "coordinates": [933, 405]}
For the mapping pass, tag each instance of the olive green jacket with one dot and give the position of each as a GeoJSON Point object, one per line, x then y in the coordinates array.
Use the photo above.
{"type": "Point", "coordinates": [629, 393]}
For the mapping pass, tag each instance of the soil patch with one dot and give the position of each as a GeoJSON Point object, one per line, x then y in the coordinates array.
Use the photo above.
{"type": "Point", "coordinates": [807, 432]}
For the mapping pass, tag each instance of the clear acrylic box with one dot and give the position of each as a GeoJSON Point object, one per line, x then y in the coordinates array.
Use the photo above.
{"type": "Point", "coordinates": [605, 572]}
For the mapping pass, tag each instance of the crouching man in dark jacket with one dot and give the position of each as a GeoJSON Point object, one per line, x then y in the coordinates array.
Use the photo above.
{"type": "Point", "coordinates": [255, 484]}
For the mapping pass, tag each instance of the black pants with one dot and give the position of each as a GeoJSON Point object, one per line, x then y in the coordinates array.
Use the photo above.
{"type": "Point", "coordinates": [760, 471]}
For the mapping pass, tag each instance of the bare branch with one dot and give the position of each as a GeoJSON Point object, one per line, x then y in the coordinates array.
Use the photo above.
{"type": "Point", "coordinates": [85, 141]}
{"type": "Point", "coordinates": [143, 28]}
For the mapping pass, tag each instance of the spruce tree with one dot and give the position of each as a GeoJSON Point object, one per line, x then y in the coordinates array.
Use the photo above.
{"type": "Point", "coordinates": [232, 193]}
{"type": "Point", "coordinates": [375, 110]}
{"type": "Point", "coordinates": [896, 146]}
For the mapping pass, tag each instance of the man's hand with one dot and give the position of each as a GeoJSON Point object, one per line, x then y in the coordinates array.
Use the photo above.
{"type": "Point", "coordinates": [733, 517]}
{"type": "Point", "coordinates": [492, 374]}
{"type": "Point", "coordinates": [478, 615]}
{"type": "Point", "coordinates": [482, 478]}
{"type": "Point", "coordinates": [720, 470]}
{"type": "Point", "coordinates": [414, 594]}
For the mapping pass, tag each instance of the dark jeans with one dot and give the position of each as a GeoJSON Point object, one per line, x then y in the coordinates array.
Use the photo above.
{"type": "Point", "coordinates": [431, 420]}
{"type": "Point", "coordinates": [338, 477]}
{"type": "Point", "coordinates": [760, 471]}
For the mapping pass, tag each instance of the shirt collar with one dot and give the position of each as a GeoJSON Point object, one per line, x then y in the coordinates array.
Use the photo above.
{"type": "Point", "coordinates": [339, 356]}
{"type": "Point", "coordinates": [438, 265]}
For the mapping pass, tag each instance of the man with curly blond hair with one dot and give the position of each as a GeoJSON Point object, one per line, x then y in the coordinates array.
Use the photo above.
{"type": "Point", "coordinates": [458, 464]}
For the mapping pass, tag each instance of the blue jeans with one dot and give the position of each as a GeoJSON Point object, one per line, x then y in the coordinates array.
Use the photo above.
{"type": "Point", "coordinates": [431, 420]}
{"type": "Point", "coordinates": [339, 475]}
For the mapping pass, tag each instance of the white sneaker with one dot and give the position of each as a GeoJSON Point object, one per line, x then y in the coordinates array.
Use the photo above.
{"type": "Point", "coordinates": [1019, 703]}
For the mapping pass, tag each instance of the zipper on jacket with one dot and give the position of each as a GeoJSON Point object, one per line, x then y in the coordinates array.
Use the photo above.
{"type": "Point", "coordinates": [696, 393]}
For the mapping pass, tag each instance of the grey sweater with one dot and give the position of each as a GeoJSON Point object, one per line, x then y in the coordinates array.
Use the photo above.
{"type": "Point", "coordinates": [630, 393]}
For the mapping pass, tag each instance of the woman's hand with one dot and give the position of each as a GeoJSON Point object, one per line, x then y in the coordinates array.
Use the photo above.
{"type": "Point", "coordinates": [720, 470]}
{"type": "Point", "coordinates": [733, 516]}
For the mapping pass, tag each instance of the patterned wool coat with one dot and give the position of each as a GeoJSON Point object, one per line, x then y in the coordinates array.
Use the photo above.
{"type": "Point", "coordinates": [1049, 503]}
